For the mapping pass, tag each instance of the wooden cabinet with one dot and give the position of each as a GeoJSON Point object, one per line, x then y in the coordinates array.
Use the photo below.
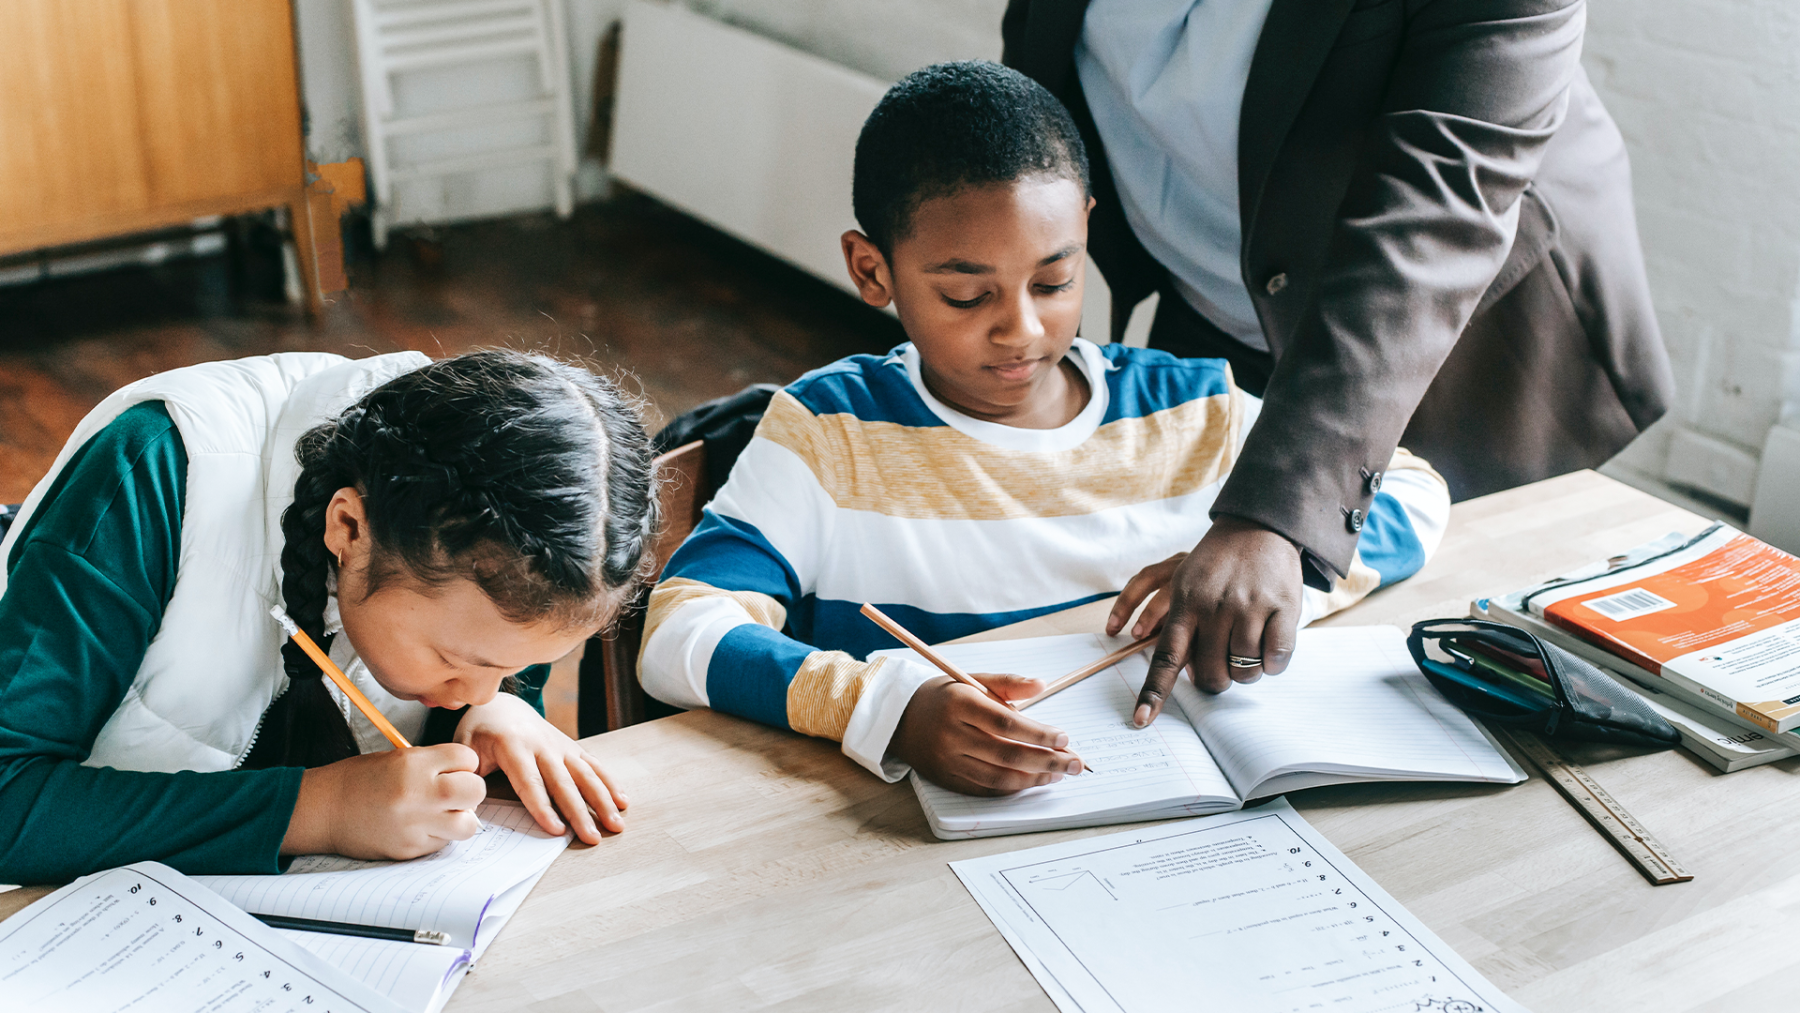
{"type": "Point", "coordinates": [118, 116]}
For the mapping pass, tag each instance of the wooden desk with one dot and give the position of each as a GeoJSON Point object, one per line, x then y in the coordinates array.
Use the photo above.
{"type": "Point", "coordinates": [763, 870]}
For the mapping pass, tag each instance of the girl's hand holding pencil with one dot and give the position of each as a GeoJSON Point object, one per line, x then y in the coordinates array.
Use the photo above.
{"type": "Point", "coordinates": [398, 804]}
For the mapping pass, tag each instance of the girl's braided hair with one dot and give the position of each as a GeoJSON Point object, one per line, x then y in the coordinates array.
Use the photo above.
{"type": "Point", "coordinates": [531, 477]}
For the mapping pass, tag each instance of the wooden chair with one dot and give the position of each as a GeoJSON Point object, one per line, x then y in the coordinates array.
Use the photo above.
{"type": "Point", "coordinates": [610, 695]}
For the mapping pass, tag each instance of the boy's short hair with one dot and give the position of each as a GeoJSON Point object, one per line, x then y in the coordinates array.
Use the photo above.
{"type": "Point", "coordinates": [956, 125]}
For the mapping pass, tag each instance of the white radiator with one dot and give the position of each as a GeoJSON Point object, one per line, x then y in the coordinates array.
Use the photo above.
{"type": "Point", "coordinates": [751, 136]}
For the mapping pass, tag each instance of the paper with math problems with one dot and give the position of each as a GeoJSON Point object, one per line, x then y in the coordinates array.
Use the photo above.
{"type": "Point", "coordinates": [146, 939]}
{"type": "Point", "coordinates": [1252, 912]}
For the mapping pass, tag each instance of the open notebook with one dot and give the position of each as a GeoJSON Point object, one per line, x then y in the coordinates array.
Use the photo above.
{"type": "Point", "coordinates": [1351, 707]}
{"type": "Point", "coordinates": [468, 891]}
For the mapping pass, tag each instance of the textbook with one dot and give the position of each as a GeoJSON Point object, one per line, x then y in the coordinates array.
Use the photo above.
{"type": "Point", "coordinates": [1722, 739]}
{"type": "Point", "coordinates": [466, 891]}
{"type": "Point", "coordinates": [1351, 706]}
{"type": "Point", "coordinates": [1713, 619]}
{"type": "Point", "coordinates": [146, 938]}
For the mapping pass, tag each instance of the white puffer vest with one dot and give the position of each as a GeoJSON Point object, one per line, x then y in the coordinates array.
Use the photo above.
{"type": "Point", "coordinates": [215, 663]}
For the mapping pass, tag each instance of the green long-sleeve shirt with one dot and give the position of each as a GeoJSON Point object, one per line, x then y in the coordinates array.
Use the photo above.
{"type": "Point", "coordinates": [88, 581]}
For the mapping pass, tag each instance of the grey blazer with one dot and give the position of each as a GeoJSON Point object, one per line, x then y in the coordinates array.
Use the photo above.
{"type": "Point", "coordinates": [1383, 146]}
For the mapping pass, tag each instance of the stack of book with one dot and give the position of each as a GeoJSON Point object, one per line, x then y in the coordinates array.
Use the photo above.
{"type": "Point", "coordinates": [1707, 627]}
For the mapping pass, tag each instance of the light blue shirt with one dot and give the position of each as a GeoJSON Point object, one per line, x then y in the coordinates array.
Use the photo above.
{"type": "Point", "coordinates": [1165, 82]}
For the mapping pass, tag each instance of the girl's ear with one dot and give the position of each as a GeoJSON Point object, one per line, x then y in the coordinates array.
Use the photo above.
{"type": "Point", "coordinates": [347, 529]}
{"type": "Point", "coordinates": [869, 270]}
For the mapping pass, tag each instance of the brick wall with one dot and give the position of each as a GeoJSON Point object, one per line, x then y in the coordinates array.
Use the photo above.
{"type": "Point", "coordinates": [1707, 93]}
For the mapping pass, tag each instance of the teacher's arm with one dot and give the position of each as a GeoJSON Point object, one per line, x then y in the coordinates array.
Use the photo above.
{"type": "Point", "coordinates": [1476, 92]}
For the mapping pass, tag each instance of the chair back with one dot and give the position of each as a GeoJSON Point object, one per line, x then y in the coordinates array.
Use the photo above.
{"type": "Point", "coordinates": [611, 696]}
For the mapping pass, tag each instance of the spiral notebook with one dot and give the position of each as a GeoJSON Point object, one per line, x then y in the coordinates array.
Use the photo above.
{"type": "Point", "coordinates": [1352, 706]}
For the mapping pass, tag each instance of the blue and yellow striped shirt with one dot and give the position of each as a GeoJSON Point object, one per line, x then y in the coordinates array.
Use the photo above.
{"type": "Point", "coordinates": [860, 486]}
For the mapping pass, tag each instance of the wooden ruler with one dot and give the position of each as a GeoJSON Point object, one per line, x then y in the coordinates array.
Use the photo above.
{"type": "Point", "coordinates": [1603, 811]}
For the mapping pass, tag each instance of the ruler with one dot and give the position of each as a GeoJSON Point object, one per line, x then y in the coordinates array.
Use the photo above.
{"type": "Point", "coordinates": [1603, 811]}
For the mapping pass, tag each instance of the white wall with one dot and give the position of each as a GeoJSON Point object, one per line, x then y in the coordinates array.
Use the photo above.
{"type": "Point", "coordinates": [1707, 93]}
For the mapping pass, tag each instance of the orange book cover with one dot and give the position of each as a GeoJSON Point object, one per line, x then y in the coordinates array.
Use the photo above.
{"type": "Point", "coordinates": [1721, 620]}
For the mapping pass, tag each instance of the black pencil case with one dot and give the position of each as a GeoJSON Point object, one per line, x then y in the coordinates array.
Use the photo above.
{"type": "Point", "coordinates": [1584, 703]}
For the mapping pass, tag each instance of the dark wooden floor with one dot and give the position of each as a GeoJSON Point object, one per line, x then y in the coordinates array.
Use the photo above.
{"type": "Point", "coordinates": [676, 310]}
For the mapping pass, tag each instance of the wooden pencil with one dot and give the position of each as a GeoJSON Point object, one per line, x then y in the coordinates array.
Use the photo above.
{"type": "Point", "coordinates": [1064, 682]}
{"type": "Point", "coordinates": [943, 664]}
{"type": "Point", "coordinates": [923, 650]}
{"type": "Point", "coordinates": [326, 665]}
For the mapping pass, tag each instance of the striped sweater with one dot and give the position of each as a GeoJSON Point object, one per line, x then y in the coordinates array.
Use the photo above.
{"type": "Point", "coordinates": [861, 486]}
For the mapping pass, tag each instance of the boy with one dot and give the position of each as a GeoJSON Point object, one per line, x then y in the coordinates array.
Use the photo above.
{"type": "Point", "coordinates": [993, 469]}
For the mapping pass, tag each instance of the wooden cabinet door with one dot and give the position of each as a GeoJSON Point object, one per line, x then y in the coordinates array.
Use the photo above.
{"type": "Point", "coordinates": [71, 144]}
{"type": "Point", "coordinates": [219, 97]}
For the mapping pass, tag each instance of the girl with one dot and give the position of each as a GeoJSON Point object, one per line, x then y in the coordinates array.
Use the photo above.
{"type": "Point", "coordinates": [437, 527]}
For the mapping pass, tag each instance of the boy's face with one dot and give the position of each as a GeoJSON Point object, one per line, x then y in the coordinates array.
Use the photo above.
{"type": "Point", "coordinates": [988, 287]}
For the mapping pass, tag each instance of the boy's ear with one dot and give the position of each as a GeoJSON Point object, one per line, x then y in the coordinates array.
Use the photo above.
{"type": "Point", "coordinates": [869, 270]}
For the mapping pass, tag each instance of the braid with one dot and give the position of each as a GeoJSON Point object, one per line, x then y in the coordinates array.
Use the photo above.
{"type": "Point", "coordinates": [529, 477]}
{"type": "Point", "coordinates": [304, 727]}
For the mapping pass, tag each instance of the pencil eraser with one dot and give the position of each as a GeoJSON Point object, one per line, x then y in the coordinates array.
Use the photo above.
{"type": "Point", "coordinates": [288, 626]}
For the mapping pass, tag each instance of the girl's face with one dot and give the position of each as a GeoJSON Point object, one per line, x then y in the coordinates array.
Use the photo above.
{"type": "Point", "coordinates": [446, 646]}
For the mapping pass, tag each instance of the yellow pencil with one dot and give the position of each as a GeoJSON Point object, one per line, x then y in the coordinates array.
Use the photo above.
{"type": "Point", "coordinates": [376, 718]}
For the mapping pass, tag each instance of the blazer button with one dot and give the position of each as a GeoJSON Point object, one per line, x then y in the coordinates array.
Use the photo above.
{"type": "Point", "coordinates": [1354, 521]}
{"type": "Point", "coordinates": [1276, 283]}
{"type": "Point", "coordinates": [1374, 483]}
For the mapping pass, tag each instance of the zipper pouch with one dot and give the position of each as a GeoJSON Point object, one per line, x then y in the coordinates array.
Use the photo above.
{"type": "Point", "coordinates": [1506, 675]}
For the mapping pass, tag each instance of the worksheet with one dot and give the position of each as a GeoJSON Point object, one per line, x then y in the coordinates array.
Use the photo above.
{"type": "Point", "coordinates": [1252, 912]}
{"type": "Point", "coordinates": [146, 939]}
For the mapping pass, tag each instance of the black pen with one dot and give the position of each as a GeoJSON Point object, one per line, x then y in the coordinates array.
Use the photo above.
{"type": "Point", "coordinates": [427, 936]}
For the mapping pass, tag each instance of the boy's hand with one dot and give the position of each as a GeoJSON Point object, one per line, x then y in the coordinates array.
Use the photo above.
{"type": "Point", "coordinates": [400, 804]}
{"type": "Point", "coordinates": [1238, 593]}
{"type": "Point", "coordinates": [964, 741]}
{"type": "Point", "coordinates": [548, 769]}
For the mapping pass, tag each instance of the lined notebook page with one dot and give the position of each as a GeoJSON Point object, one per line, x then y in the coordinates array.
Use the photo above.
{"type": "Point", "coordinates": [420, 978]}
{"type": "Point", "coordinates": [1352, 703]}
{"type": "Point", "coordinates": [1138, 769]}
{"type": "Point", "coordinates": [447, 891]}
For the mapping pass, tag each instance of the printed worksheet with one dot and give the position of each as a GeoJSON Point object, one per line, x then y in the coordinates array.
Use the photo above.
{"type": "Point", "coordinates": [1253, 912]}
{"type": "Point", "coordinates": [146, 939]}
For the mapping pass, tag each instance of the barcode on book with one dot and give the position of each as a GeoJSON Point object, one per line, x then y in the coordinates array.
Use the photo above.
{"type": "Point", "coordinates": [1629, 604]}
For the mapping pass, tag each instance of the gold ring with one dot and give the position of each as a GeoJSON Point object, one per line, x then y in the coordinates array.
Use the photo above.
{"type": "Point", "coordinates": [1239, 661]}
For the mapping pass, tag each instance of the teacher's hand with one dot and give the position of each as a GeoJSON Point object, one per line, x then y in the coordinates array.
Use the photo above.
{"type": "Point", "coordinates": [1237, 594]}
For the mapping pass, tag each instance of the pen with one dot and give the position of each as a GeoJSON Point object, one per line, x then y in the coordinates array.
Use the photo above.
{"type": "Point", "coordinates": [376, 718]}
{"type": "Point", "coordinates": [428, 936]}
{"type": "Point", "coordinates": [901, 634]}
